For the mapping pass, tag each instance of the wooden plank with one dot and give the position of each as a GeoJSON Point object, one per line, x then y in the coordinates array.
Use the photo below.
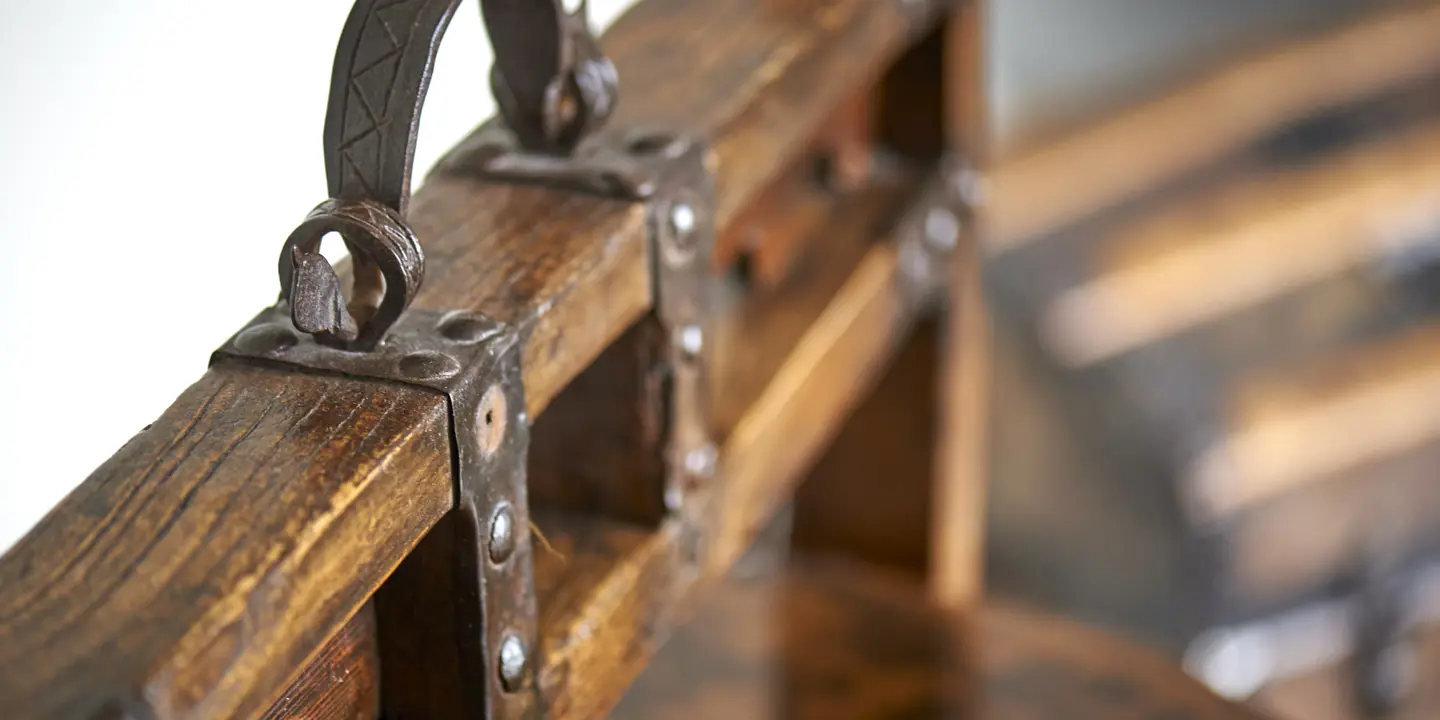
{"type": "Point", "coordinates": [769, 73]}
{"type": "Point", "coordinates": [753, 77]}
{"type": "Point", "coordinates": [612, 591]}
{"type": "Point", "coordinates": [1383, 400]}
{"type": "Point", "coordinates": [195, 571]}
{"type": "Point", "coordinates": [1143, 149]}
{"type": "Point", "coordinates": [1162, 275]}
{"type": "Point", "coordinates": [830, 639]}
{"type": "Point", "coordinates": [342, 682]}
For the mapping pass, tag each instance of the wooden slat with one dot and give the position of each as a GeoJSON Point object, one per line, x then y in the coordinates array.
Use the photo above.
{"type": "Point", "coordinates": [195, 571]}
{"type": "Point", "coordinates": [838, 640]}
{"type": "Point", "coordinates": [613, 591]}
{"type": "Point", "coordinates": [1382, 400]}
{"type": "Point", "coordinates": [317, 508]}
{"type": "Point", "coordinates": [1142, 149]}
{"type": "Point", "coordinates": [1246, 243]}
{"type": "Point", "coordinates": [342, 682]}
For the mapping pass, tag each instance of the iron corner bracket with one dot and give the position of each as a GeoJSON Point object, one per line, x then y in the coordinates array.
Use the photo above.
{"type": "Point", "coordinates": [937, 223]}
{"type": "Point", "coordinates": [474, 362]}
{"type": "Point", "coordinates": [673, 175]}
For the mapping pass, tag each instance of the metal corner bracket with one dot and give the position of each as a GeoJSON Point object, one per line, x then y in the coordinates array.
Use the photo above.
{"type": "Point", "coordinates": [673, 175]}
{"type": "Point", "coordinates": [474, 362]}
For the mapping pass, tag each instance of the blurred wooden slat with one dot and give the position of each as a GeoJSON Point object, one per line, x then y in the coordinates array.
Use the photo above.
{"type": "Point", "coordinates": [1146, 148]}
{"type": "Point", "coordinates": [1379, 401]}
{"type": "Point", "coordinates": [833, 640]}
{"type": "Point", "coordinates": [1246, 243]}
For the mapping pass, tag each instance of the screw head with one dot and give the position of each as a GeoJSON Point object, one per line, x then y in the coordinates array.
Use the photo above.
{"type": "Point", "coordinates": [682, 219]}
{"type": "Point", "coordinates": [691, 340]}
{"type": "Point", "coordinates": [502, 533]}
{"type": "Point", "coordinates": [512, 662]}
{"type": "Point", "coordinates": [968, 185]}
{"type": "Point", "coordinates": [700, 462]}
{"type": "Point", "coordinates": [942, 229]}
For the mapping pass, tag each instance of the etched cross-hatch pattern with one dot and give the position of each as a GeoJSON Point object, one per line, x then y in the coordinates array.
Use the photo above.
{"type": "Point", "coordinates": [387, 35]}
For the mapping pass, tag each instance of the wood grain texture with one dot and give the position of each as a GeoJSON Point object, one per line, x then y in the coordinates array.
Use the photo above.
{"type": "Point", "coordinates": [802, 406]}
{"type": "Point", "coordinates": [1145, 148]}
{"type": "Point", "coordinates": [342, 681]}
{"type": "Point", "coordinates": [833, 640]}
{"type": "Point", "coordinates": [195, 571]}
{"type": "Point", "coordinates": [757, 77]}
{"type": "Point", "coordinates": [612, 591]}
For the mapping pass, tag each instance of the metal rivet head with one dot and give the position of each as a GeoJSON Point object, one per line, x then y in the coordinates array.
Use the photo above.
{"type": "Point", "coordinates": [266, 339]}
{"type": "Point", "coordinates": [691, 340]}
{"type": "Point", "coordinates": [502, 533]}
{"type": "Point", "coordinates": [428, 366]}
{"type": "Point", "coordinates": [942, 229]}
{"type": "Point", "coordinates": [512, 663]}
{"type": "Point", "coordinates": [466, 328]}
{"type": "Point", "coordinates": [969, 186]}
{"type": "Point", "coordinates": [682, 219]}
{"type": "Point", "coordinates": [490, 419]}
{"type": "Point", "coordinates": [700, 462]}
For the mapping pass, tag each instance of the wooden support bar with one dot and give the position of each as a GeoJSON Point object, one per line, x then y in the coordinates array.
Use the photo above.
{"type": "Point", "coordinates": [1210, 256]}
{"type": "Point", "coordinates": [610, 591]}
{"type": "Point", "coordinates": [1143, 149]}
{"type": "Point", "coordinates": [194, 573]}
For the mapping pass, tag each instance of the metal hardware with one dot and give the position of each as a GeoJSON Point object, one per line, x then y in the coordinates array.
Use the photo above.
{"type": "Point", "coordinates": [670, 173]}
{"type": "Point", "coordinates": [933, 228]}
{"type": "Point", "coordinates": [474, 362]}
{"type": "Point", "coordinates": [552, 83]}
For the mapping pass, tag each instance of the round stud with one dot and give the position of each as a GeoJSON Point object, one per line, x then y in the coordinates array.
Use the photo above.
{"type": "Point", "coordinates": [428, 366]}
{"type": "Point", "coordinates": [942, 229]}
{"type": "Point", "coordinates": [266, 340]}
{"type": "Point", "coordinates": [466, 328]}
{"type": "Point", "coordinates": [512, 663]}
{"type": "Point", "coordinates": [502, 533]}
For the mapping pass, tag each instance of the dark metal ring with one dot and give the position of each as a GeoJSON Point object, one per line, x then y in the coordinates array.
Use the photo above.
{"type": "Point", "coordinates": [389, 266]}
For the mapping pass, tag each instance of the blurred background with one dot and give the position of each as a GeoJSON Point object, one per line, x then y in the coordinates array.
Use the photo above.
{"type": "Point", "coordinates": [1215, 235]}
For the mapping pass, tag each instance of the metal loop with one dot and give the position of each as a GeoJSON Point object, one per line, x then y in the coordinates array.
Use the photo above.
{"type": "Point", "coordinates": [388, 267]}
{"type": "Point", "coordinates": [552, 83]}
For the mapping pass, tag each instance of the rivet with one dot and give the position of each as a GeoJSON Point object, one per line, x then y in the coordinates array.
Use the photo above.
{"type": "Point", "coordinates": [942, 229]}
{"type": "Point", "coordinates": [428, 365]}
{"type": "Point", "coordinates": [691, 340]}
{"type": "Point", "coordinates": [512, 662]}
{"type": "Point", "coordinates": [466, 328]}
{"type": "Point", "coordinates": [700, 462]}
{"type": "Point", "coordinates": [490, 419]}
{"type": "Point", "coordinates": [502, 533]}
{"type": "Point", "coordinates": [266, 339]}
{"type": "Point", "coordinates": [969, 186]}
{"type": "Point", "coordinates": [682, 219]}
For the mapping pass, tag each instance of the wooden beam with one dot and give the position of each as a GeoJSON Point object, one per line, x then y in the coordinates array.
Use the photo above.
{"type": "Point", "coordinates": [1143, 149]}
{"type": "Point", "coordinates": [195, 572]}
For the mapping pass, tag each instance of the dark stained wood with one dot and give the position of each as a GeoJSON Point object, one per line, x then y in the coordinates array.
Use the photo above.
{"type": "Point", "coordinates": [277, 503]}
{"type": "Point", "coordinates": [600, 448]}
{"type": "Point", "coordinates": [195, 571]}
{"type": "Point", "coordinates": [758, 77]}
{"type": "Point", "coordinates": [1142, 149]}
{"type": "Point", "coordinates": [832, 640]}
{"type": "Point", "coordinates": [869, 496]}
{"type": "Point", "coordinates": [342, 682]}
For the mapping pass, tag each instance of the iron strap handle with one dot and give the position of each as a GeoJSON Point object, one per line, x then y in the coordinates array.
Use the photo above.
{"type": "Point", "coordinates": [551, 83]}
